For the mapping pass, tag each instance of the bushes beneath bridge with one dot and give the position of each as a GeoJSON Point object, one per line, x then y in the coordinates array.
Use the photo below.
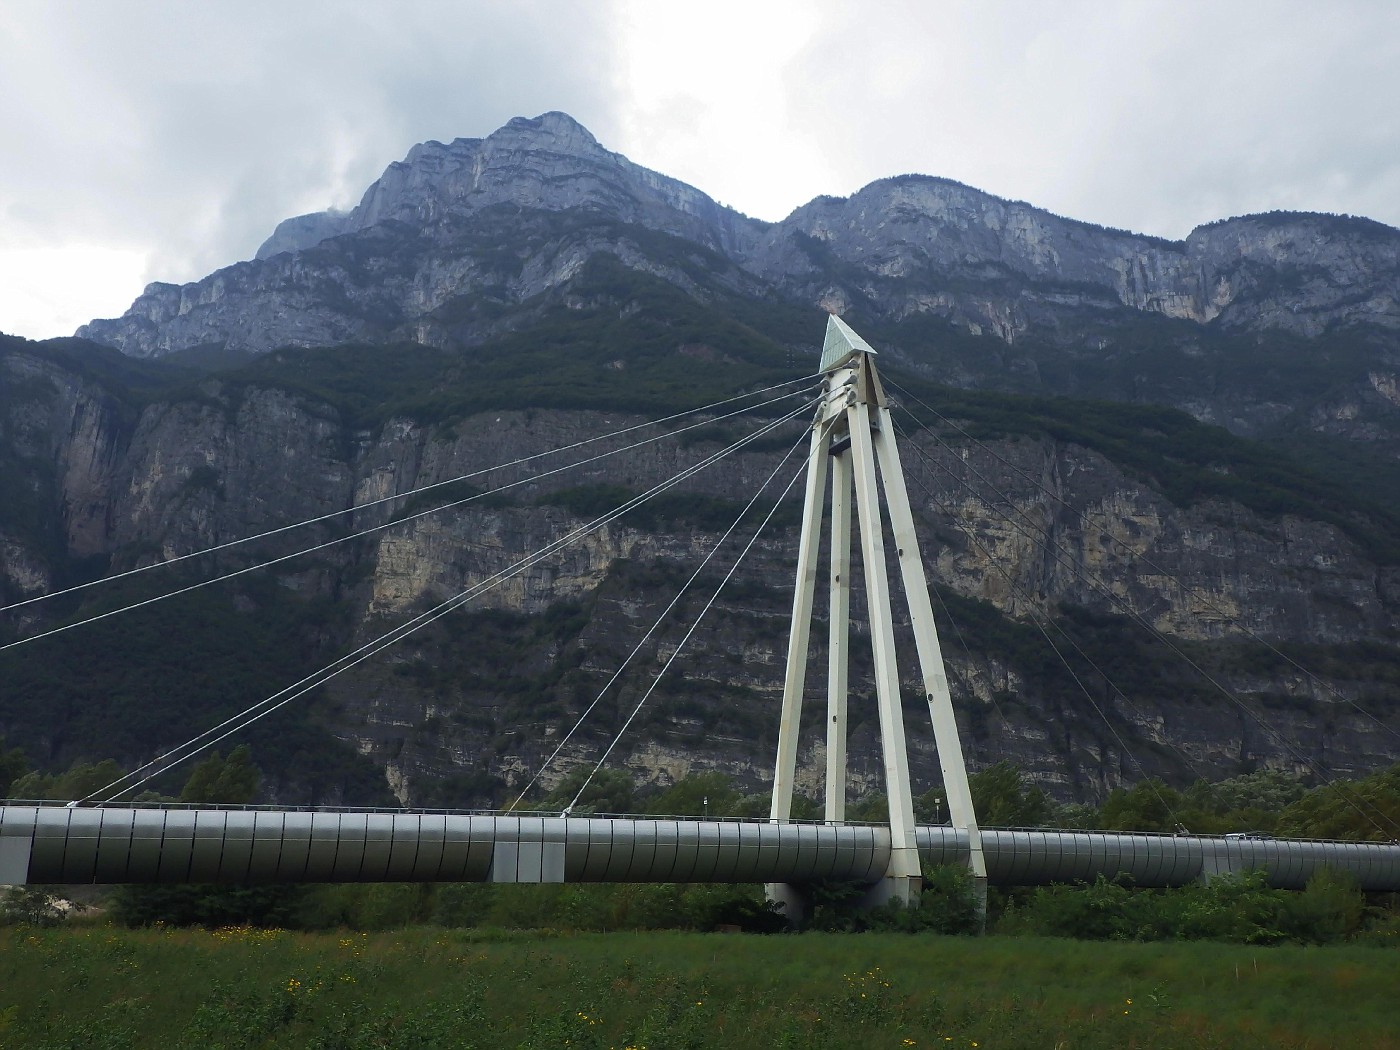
{"type": "Point", "coordinates": [392, 906]}
{"type": "Point", "coordinates": [1238, 909]}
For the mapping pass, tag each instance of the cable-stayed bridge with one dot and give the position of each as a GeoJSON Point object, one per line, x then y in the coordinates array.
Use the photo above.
{"type": "Point", "coordinates": [853, 460]}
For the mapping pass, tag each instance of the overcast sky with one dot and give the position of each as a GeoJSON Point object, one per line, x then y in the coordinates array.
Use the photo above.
{"type": "Point", "coordinates": [159, 140]}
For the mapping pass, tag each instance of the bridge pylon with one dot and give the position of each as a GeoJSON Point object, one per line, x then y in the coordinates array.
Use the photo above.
{"type": "Point", "coordinates": [851, 434]}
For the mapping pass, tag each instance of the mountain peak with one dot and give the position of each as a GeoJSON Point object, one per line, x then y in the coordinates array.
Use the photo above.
{"type": "Point", "coordinates": [550, 163]}
{"type": "Point", "coordinates": [554, 122]}
{"type": "Point", "coordinates": [554, 131]}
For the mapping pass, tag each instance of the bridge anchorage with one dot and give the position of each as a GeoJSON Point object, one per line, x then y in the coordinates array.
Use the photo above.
{"type": "Point", "coordinates": [852, 443]}
{"type": "Point", "coordinates": [851, 434]}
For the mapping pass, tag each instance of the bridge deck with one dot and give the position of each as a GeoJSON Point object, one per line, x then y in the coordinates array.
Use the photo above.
{"type": "Point", "coordinates": [57, 845]}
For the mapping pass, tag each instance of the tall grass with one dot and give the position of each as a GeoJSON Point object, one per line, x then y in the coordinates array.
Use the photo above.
{"type": "Point", "coordinates": [100, 987]}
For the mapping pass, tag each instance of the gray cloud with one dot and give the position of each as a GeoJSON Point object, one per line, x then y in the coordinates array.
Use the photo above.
{"type": "Point", "coordinates": [182, 133]}
{"type": "Point", "coordinates": [1154, 116]}
{"type": "Point", "coordinates": [187, 131]}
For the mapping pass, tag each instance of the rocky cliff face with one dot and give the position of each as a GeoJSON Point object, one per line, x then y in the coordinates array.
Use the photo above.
{"type": "Point", "coordinates": [923, 245]}
{"type": "Point", "coordinates": [1016, 531]}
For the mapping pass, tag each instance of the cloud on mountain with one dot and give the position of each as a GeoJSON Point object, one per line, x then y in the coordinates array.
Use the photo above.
{"type": "Point", "coordinates": [1152, 116]}
{"type": "Point", "coordinates": [160, 140]}
{"type": "Point", "coordinates": [180, 134]}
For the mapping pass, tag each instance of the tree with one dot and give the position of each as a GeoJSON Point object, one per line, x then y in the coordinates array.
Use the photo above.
{"type": "Point", "coordinates": [1330, 908]}
{"type": "Point", "coordinates": [1266, 789]}
{"type": "Point", "coordinates": [81, 779]}
{"type": "Point", "coordinates": [699, 795]}
{"type": "Point", "coordinates": [873, 808]}
{"type": "Point", "coordinates": [1001, 799]}
{"type": "Point", "coordinates": [1147, 806]}
{"type": "Point", "coordinates": [231, 781]}
{"type": "Point", "coordinates": [932, 806]}
{"type": "Point", "coordinates": [29, 906]}
{"type": "Point", "coordinates": [13, 765]}
{"type": "Point", "coordinates": [1361, 809]}
{"type": "Point", "coordinates": [610, 791]}
{"type": "Point", "coordinates": [1252, 801]}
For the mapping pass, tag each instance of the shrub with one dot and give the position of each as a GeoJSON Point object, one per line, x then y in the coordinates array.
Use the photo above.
{"type": "Point", "coordinates": [1098, 912]}
{"type": "Point", "coordinates": [1330, 908]}
{"type": "Point", "coordinates": [210, 906]}
{"type": "Point", "coordinates": [28, 906]}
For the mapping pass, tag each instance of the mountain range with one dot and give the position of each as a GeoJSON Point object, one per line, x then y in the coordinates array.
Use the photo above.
{"type": "Point", "coordinates": [1111, 435]}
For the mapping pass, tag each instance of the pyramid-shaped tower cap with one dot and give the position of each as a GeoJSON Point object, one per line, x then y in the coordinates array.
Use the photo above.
{"type": "Point", "coordinates": [841, 344]}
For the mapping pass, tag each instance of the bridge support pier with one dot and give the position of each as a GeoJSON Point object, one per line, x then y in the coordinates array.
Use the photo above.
{"type": "Point", "coordinates": [891, 888]}
{"type": "Point", "coordinates": [14, 860]}
{"type": "Point", "coordinates": [792, 901]}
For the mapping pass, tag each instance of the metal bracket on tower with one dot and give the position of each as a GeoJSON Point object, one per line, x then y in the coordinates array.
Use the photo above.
{"type": "Point", "coordinates": [851, 434]}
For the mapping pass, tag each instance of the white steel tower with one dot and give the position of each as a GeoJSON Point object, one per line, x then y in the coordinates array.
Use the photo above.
{"type": "Point", "coordinates": [853, 432]}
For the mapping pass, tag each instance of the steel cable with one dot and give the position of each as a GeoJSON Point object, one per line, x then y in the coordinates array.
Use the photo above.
{"type": "Point", "coordinates": [168, 760]}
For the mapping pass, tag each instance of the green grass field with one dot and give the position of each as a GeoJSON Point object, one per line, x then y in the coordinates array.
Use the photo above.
{"type": "Point", "coordinates": [102, 987]}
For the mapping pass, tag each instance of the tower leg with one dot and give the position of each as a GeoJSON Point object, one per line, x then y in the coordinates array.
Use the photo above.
{"type": "Point", "coordinates": [798, 637]}
{"type": "Point", "coordinates": [935, 677]}
{"type": "Point", "coordinates": [839, 632]}
{"type": "Point", "coordinates": [904, 873]}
